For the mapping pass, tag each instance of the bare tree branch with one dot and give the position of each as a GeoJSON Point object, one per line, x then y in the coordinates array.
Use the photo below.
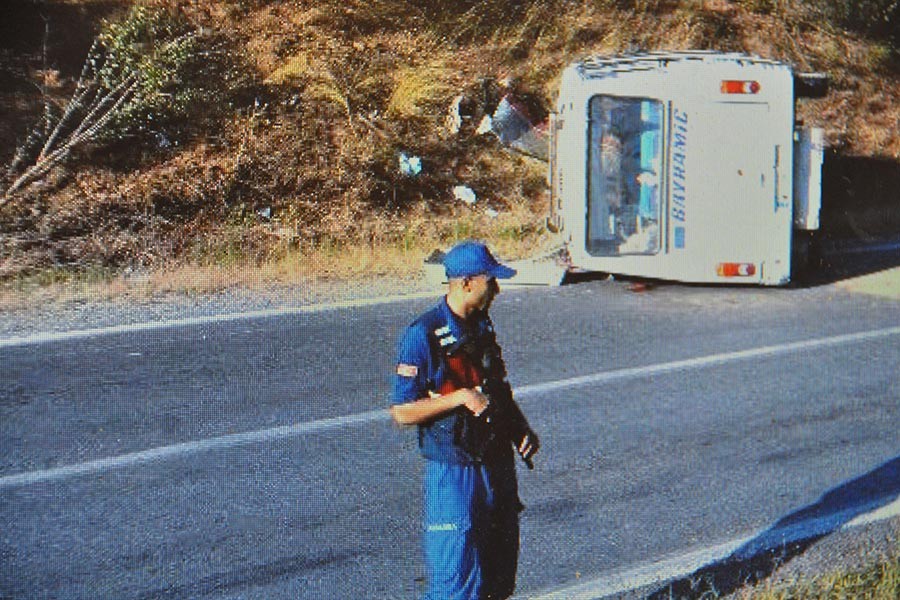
{"type": "Point", "coordinates": [89, 111]}
{"type": "Point", "coordinates": [89, 127]}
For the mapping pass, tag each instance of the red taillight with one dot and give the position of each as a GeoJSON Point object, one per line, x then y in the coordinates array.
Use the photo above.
{"type": "Point", "coordinates": [736, 269]}
{"type": "Point", "coordinates": [733, 86]}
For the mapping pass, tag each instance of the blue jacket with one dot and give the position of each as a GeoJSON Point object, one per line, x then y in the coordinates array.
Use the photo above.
{"type": "Point", "coordinates": [423, 368]}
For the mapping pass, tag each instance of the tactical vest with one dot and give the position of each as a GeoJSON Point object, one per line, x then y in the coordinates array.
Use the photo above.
{"type": "Point", "coordinates": [438, 438]}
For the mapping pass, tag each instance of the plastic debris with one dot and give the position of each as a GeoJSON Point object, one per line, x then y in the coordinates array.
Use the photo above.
{"type": "Point", "coordinates": [462, 111]}
{"type": "Point", "coordinates": [163, 141]}
{"type": "Point", "coordinates": [534, 142]}
{"type": "Point", "coordinates": [519, 124]}
{"type": "Point", "coordinates": [546, 270]}
{"type": "Point", "coordinates": [454, 119]}
{"type": "Point", "coordinates": [517, 117]}
{"type": "Point", "coordinates": [492, 213]}
{"type": "Point", "coordinates": [265, 213]}
{"type": "Point", "coordinates": [410, 166]}
{"type": "Point", "coordinates": [639, 287]}
{"type": "Point", "coordinates": [510, 121]}
{"type": "Point", "coordinates": [465, 194]}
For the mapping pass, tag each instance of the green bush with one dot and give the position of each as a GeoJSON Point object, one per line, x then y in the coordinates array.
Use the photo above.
{"type": "Point", "coordinates": [184, 75]}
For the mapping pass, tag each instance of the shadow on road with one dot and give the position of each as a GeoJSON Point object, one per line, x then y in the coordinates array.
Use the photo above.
{"type": "Point", "coordinates": [859, 221]}
{"type": "Point", "coordinates": [792, 535]}
{"type": "Point", "coordinates": [245, 579]}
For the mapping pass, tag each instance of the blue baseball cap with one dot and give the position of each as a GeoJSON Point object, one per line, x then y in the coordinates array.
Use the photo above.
{"type": "Point", "coordinates": [469, 259]}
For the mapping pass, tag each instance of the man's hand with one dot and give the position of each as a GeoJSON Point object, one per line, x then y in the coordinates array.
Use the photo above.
{"type": "Point", "coordinates": [528, 447]}
{"type": "Point", "coordinates": [472, 398]}
{"type": "Point", "coordinates": [435, 406]}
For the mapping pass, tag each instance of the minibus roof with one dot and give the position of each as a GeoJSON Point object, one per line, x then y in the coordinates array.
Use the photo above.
{"type": "Point", "coordinates": [602, 66]}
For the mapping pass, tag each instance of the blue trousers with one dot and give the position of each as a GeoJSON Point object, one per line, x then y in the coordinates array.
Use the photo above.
{"type": "Point", "coordinates": [471, 530]}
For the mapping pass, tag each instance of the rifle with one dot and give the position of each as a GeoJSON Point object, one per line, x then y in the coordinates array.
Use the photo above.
{"type": "Point", "coordinates": [502, 421]}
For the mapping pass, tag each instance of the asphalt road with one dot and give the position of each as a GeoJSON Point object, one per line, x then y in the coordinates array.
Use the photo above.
{"type": "Point", "coordinates": [252, 458]}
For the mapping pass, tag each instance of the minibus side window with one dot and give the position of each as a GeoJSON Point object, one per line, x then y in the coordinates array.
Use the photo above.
{"type": "Point", "coordinates": [624, 170]}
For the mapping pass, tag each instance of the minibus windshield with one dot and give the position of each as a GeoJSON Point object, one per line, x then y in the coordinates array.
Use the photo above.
{"type": "Point", "coordinates": [625, 167]}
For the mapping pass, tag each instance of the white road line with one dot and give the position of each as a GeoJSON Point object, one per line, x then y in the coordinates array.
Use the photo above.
{"type": "Point", "coordinates": [175, 450]}
{"type": "Point", "coordinates": [706, 361]}
{"type": "Point", "coordinates": [663, 570]}
{"type": "Point", "coordinates": [47, 337]}
{"type": "Point", "coordinates": [286, 431]}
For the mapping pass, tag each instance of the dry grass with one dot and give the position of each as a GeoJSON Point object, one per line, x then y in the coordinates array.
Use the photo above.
{"type": "Point", "coordinates": [420, 87]}
{"type": "Point", "coordinates": [395, 249]}
{"type": "Point", "coordinates": [878, 582]}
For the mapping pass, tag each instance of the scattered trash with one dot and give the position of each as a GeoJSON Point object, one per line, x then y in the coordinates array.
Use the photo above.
{"type": "Point", "coordinates": [492, 213]}
{"type": "Point", "coordinates": [410, 166]}
{"type": "Point", "coordinates": [518, 118]}
{"type": "Point", "coordinates": [510, 121]}
{"type": "Point", "coordinates": [454, 119]}
{"type": "Point", "coordinates": [265, 213]}
{"type": "Point", "coordinates": [534, 142]}
{"type": "Point", "coordinates": [163, 141]}
{"type": "Point", "coordinates": [462, 110]}
{"type": "Point", "coordinates": [486, 125]}
{"type": "Point", "coordinates": [465, 194]}
{"type": "Point", "coordinates": [546, 270]}
{"type": "Point", "coordinates": [519, 122]}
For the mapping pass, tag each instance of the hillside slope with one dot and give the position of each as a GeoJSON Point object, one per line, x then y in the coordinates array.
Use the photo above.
{"type": "Point", "coordinates": [300, 153]}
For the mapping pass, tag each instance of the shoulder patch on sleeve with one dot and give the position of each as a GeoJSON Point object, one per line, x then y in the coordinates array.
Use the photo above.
{"type": "Point", "coordinates": [407, 370]}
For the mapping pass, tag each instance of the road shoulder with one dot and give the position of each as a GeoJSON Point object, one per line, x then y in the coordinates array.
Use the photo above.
{"type": "Point", "coordinates": [884, 284]}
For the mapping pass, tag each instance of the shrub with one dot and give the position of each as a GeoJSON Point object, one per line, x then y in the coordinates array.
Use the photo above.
{"type": "Point", "coordinates": [184, 74]}
{"type": "Point", "coordinates": [149, 75]}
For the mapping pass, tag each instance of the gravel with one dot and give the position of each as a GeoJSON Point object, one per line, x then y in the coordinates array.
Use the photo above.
{"type": "Point", "coordinates": [62, 315]}
{"type": "Point", "coordinates": [848, 550]}
{"type": "Point", "coordinates": [65, 315]}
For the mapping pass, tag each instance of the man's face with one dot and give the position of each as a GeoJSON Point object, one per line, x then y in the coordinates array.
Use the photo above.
{"type": "Point", "coordinates": [483, 289]}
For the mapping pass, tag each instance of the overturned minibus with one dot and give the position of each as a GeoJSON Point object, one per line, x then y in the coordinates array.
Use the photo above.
{"type": "Point", "coordinates": [685, 166]}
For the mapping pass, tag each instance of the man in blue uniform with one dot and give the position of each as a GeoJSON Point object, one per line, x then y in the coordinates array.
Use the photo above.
{"type": "Point", "coordinates": [450, 381]}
